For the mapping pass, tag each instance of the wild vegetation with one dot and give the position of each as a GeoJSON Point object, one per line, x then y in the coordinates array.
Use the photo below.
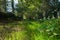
{"type": "Point", "coordinates": [31, 30]}
{"type": "Point", "coordinates": [30, 20]}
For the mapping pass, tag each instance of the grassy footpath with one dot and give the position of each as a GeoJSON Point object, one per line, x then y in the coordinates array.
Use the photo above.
{"type": "Point", "coordinates": [31, 30]}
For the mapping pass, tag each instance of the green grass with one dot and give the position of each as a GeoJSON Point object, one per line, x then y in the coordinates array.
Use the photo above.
{"type": "Point", "coordinates": [31, 30]}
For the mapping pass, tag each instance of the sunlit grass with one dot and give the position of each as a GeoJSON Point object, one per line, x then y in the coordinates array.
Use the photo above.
{"type": "Point", "coordinates": [32, 30]}
{"type": "Point", "coordinates": [20, 35]}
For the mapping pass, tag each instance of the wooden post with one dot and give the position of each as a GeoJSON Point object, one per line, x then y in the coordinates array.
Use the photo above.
{"type": "Point", "coordinates": [8, 6]}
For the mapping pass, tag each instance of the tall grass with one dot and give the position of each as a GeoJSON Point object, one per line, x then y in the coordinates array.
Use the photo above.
{"type": "Point", "coordinates": [32, 30]}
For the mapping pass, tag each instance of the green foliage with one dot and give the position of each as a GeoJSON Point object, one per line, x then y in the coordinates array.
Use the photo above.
{"type": "Point", "coordinates": [31, 30]}
{"type": "Point", "coordinates": [29, 7]}
{"type": "Point", "coordinates": [47, 30]}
